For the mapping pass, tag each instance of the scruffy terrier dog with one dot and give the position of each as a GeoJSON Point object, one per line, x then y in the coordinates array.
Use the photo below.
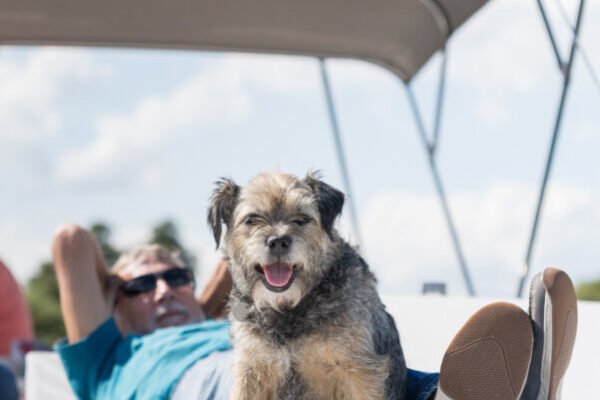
{"type": "Point", "coordinates": [306, 319]}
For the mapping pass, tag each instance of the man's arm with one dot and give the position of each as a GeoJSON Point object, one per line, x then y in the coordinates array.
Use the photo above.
{"type": "Point", "coordinates": [82, 281]}
{"type": "Point", "coordinates": [215, 294]}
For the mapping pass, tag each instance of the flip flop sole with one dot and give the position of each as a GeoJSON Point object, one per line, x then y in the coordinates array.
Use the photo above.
{"type": "Point", "coordinates": [553, 310]}
{"type": "Point", "coordinates": [489, 357]}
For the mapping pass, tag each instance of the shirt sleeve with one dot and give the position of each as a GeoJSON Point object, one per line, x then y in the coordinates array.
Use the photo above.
{"type": "Point", "coordinates": [85, 359]}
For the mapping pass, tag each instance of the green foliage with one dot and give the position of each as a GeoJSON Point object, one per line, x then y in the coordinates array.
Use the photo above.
{"type": "Point", "coordinates": [589, 291]}
{"type": "Point", "coordinates": [102, 232]}
{"type": "Point", "coordinates": [167, 235]}
{"type": "Point", "coordinates": [42, 296]}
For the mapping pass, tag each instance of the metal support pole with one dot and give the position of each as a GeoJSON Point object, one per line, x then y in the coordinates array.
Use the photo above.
{"type": "Point", "coordinates": [340, 150]}
{"type": "Point", "coordinates": [566, 70]}
{"type": "Point", "coordinates": [440, 102]}
{"type": "Point", "coordinates": [559, 59]}
{"type": "Point", "coordinates": [440, 190]}
{"type": "Point", "coordinates": [431, 146]}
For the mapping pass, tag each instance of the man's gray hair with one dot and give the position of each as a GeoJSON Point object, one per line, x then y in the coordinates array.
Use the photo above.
{"type": "Point", "coordinates": [147, 254]}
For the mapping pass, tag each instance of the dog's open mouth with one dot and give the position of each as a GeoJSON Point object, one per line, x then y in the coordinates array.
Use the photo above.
{"type": "Point", "coordinates": [277, 276]}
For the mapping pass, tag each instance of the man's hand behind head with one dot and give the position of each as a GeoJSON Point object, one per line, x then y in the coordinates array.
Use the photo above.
{"type": "Point", "coordinates": [82, 276]}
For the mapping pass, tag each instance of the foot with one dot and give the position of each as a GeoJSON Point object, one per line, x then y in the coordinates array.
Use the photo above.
{"type": "Point", "coordinates": [489, 357]}
{"type": "Point", "coordinates": [553, 309]}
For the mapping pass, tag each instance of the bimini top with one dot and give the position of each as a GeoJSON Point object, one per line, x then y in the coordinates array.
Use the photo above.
{"type": "Point", "coordinates": [401, 35]}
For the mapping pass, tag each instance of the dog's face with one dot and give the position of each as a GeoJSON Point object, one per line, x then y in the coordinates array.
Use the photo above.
{"type": "Point", "coordinates": [279, 230]}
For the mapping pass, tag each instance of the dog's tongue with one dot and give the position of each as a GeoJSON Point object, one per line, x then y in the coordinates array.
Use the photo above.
{"type": "Point", "coordinates": [278, 274]}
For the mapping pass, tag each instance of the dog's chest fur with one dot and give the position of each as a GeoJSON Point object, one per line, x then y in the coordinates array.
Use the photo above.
{"type": "Point", "coordinates": [328, 364]}
{"type": "Point", "coordinates": [337, 343]}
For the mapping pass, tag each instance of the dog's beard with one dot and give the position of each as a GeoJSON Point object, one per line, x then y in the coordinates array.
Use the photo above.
{"type": "Point", "coordinates": [282, 301]}
{"type": "Point", "coordinates": [278, 283]}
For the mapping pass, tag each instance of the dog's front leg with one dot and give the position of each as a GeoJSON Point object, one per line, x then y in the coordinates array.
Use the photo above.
{"type": "Point", "coordinates": [255, 380]}
{"type": "Point", "coordinates": [335, 372]}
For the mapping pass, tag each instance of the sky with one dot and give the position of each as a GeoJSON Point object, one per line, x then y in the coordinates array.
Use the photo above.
{"type": "Point", "coordinates": [134, 137]}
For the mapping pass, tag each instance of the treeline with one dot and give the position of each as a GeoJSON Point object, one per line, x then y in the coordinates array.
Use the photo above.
{"type": "Point", "coordinates": [42, 289]}
{"type": "Point", "coordinates": [589, 291]}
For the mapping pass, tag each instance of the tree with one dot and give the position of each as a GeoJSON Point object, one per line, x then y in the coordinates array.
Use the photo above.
{"type": "Point", "coordinates": [42, 296]}
{"type": "Point", "coordinates": [589, 291]}
{"type": "Point", "coordinates": [167, 235]}
{"type": "Point", "coordinates": [102, 232]}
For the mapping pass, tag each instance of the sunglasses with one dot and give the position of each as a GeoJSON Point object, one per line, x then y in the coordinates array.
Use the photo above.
{"type": "Point", "coordinates": [174, 277]}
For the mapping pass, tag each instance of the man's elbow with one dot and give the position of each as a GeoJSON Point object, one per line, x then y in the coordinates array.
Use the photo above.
{"type": "Point", "coordinates": [68, 240]}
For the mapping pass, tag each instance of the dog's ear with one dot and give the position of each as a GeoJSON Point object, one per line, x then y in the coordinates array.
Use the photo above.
{"type": "Point", "coordinates": [330, 201]}
{"type": "Point", "coordinates": [222, 203]}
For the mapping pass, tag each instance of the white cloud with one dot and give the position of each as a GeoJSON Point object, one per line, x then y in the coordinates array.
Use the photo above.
{"type": "Point", "coordinates": [31, 89]}
{"type": "Point", "coordinates": [496, 113]}
{"type": "Point", "coordinates": [361, 74]}
{"type": "Point", "coordinates": [408, 243]}
{"type": "Point", "coordinates": [129, 235]}
{"type": "Point", "coordinates": [587, 130]}
{"type": "Point", "coordinates": [23, 248]}
{"type": "Point", "coordinates": [504, 48]}
{"type": "Point", "coordinates": [275, 73]}
{"type": "Point", "coordinates": [220, 95]}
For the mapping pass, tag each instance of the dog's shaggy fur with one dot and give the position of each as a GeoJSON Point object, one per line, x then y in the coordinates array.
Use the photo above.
{"type": "Point", "coordinates": [307, 322]}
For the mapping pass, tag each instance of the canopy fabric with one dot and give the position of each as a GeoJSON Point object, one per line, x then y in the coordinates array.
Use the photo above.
{"type": "Point", "coordinates": [401, 35]}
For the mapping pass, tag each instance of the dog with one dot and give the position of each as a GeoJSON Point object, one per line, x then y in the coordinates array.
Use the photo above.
{"type": "Point", "coordinates": [306, 319]}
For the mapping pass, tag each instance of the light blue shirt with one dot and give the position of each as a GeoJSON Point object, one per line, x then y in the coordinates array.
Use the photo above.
{"type": "Point", "coordinates": [107, 366]}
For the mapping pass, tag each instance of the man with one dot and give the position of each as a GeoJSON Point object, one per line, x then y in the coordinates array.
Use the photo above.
{"type": "Point", "coordinates": [140, 333]}
{"type": "Point", "coordinates": [123, 354]}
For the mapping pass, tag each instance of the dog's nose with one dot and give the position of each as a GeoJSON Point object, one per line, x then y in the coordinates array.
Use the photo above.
{"type": "Point", "coordinates": [279, 245]}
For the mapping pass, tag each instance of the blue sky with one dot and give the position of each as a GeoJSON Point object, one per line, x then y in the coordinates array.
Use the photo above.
{"type": "Point", "coordinates": [132, 137]}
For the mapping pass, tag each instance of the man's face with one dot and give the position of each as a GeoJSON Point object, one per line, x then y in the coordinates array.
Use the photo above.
{"type": "Point", "coordinates": [161, 307]}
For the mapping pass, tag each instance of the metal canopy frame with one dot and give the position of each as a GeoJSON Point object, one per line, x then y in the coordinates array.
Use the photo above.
{"type": "Point", "coordinates": [430, 142]}
{"type": "Point", "coordinates": [431, 146]}
{"type": "Point", "coordinates": [339, 147]}
{"type": "Point", "coordinates": [565, 67]}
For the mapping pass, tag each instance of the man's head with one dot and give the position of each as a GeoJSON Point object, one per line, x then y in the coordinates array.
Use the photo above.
{"type": "Point", "coordinates": [157, 291]}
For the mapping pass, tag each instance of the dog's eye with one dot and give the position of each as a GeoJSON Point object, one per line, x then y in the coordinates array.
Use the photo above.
{"type": "Point", "coordinates": [251, 220]}
{"type": "Point", "coordinates": [301, 221]}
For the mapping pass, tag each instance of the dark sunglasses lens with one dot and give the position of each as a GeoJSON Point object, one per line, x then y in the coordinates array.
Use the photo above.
{"type": "Point", "coordinates": [178, 277]}
{"type": "Point", "coordinates": [141, 284]}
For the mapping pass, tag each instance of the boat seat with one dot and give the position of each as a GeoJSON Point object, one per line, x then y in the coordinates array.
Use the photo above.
{"type": "Point", "coordinates": [426, 325]}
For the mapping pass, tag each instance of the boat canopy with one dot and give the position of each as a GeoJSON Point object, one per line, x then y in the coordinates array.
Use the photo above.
{"type": "Point", "coordinates": [400, 35]}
